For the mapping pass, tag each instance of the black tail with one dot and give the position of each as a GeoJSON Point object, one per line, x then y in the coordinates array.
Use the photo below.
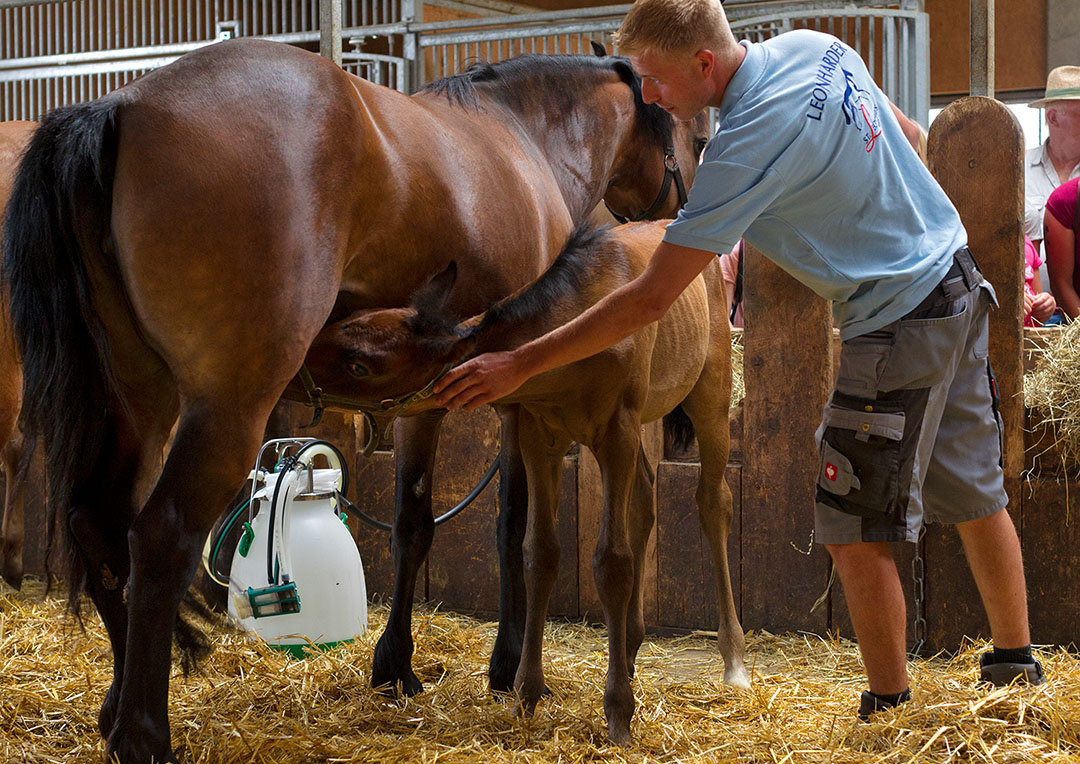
{"type": "Point", "coordinates": [678, 430]}
{"type": "Point", "coordinates": [58, 215]}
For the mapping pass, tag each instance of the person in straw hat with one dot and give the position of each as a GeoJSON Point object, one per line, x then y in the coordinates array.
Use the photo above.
{"type": "Point", "coordinates": [1058, 158]}
{"type": "Point", "coordinates": [811, 166]}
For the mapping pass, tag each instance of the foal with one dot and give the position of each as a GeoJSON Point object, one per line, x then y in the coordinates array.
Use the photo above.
{"type": "Point", "coordinates": [601, 402]}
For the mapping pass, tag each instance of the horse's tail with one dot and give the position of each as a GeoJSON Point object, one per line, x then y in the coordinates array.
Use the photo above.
{"type": "Point", "coordinates": [57, 217]}
{"type": "Point", "coordinates": [678, 429]}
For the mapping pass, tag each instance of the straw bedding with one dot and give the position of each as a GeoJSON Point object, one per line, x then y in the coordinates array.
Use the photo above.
{"type": "Point", "coordinates": [251, 704]}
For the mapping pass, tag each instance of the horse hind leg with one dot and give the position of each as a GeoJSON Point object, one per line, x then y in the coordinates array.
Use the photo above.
{"type": "Point", "coordinates": [642, 516]}
{"type": "Point", "coordinates": [708, 411]}
{"type": "Point", "coordinates": [510, 536]}
{"type": "Point", "coordinates": [12, 529]}
{"type": "Point", "coordinates": [415, 440]}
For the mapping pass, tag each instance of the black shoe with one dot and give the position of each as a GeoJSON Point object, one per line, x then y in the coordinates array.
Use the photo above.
{"type": "Point", "coordinates": [1003, 674]}
{"type": "Point", "coordinates": [870, 703]}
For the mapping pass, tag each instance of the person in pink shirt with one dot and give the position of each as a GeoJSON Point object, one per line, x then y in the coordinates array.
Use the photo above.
{"type": "Point", "coordinates": [1060, 225]}
{"type": "Point", "coordinates": [731, 269]}
{"type": "Point", "coordinates": [1039, 306]}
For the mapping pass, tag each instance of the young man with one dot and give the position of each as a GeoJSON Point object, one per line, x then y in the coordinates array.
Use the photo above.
{"type": "Point", "coordinates": [811, 166]}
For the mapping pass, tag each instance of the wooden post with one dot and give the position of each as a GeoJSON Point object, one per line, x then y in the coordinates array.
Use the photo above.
{"type": "Point", "coordinates": [787, 365]}
{"type": "Point", "coordinates": [330, 30]}
{"type": "Point", "coordinates": [976, 152]}
{"type": "Point", "coordinates": [981, 73]}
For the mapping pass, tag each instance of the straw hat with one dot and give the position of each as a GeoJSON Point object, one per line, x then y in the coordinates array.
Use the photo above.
{"type": "Point", "coordinates": [1062, 84]}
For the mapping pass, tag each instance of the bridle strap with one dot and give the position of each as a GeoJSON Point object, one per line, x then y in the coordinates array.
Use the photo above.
{"type": "Point", "coordinates": [671, 171]}
{"type": "Point", "coordinates": [393, 407]}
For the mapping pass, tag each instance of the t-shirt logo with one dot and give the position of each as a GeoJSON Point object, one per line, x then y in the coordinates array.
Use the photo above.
{"type": "Point", "coordinates": [861, 111]}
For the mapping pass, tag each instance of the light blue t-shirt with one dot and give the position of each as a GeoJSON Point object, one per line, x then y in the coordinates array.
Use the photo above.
{"type": "Point", "coordinates": [810, 166]}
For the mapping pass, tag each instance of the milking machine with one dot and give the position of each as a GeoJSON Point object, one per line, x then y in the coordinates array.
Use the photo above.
{"type": "Point", "coordinates": [296, 578]}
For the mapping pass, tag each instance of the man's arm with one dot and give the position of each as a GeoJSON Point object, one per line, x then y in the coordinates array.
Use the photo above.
{"type": "Point", "coordinates": [647, 298]}
{"type": "Point", "coordinates": [1060, 263]}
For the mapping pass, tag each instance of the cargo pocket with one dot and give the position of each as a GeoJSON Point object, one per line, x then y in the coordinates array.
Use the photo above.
{"type": "Point", "coordinates": [868, 451]}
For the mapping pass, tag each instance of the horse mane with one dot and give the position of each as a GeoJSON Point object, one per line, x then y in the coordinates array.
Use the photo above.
{"type": "Point", "coordinates": [563, 278]}
{"type": "Point", "coordinates": [512, 80]}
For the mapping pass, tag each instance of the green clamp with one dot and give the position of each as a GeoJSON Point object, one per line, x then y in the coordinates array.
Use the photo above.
{"type": "Point", "coordinates": [245, 540]}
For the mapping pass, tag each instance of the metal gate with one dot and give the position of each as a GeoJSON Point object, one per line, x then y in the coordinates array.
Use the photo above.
{"type": "Point", "coordinates": [55, 53]}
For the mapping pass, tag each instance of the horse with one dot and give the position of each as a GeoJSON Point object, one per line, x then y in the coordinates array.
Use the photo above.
{"type": "Point", "coordinates": [173, 248]}
{"type": "Point", "coordinates": [14, 458]}
{"type": "Point", "coordinates": [679, 366]}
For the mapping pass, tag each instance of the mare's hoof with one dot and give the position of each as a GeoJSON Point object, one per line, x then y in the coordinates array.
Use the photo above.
{"type": "Point", "coordinates": [396, 685]}
{"type": "Point", "coordinates": [107, 714]}
{"type": "Point", "coordinates": [139, 749]}
{"type": "Point", "coordinates": [13, 578]}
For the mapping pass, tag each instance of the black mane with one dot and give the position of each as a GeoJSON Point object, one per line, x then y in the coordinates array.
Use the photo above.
{"type": "Point", "coordinates": [514, 80]}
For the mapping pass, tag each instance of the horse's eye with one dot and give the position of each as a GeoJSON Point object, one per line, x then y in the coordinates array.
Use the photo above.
{"type": "Point", "coordinates": [699, 146]}
{"type": "Point", "coordinates": [358, 370]}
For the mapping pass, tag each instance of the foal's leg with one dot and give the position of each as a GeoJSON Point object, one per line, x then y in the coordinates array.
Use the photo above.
{"type": "Point", "coordinates": [613, 567]}
{"type": "Point", "coordinates": [642, 515]}
{"type": "Point", "coordinates": [709, 413]}
{"type": "Point", "coordinates": [11, 531]}
{"type": "Point", "coordinates": [216, 443]}
{"type": "Point", "coordinates": [543, 452]}
{"type": "Point", "coordinates": [513, 511]}
{"type": "Point", "coordinates": [415, 439]}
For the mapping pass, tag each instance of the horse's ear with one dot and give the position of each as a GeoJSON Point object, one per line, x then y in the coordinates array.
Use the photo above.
{"type": "Point", "coordinates": [598, 48]}
{"type": "Point", "coordinates": [433, 296]}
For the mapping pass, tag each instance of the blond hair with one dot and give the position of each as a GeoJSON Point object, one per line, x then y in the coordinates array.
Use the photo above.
{"type": "Point", "coordinates": [674, 26]}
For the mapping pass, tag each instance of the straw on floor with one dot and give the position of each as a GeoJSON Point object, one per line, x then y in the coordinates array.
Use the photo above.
{"type": "Point", "coordinates": [252, 704]}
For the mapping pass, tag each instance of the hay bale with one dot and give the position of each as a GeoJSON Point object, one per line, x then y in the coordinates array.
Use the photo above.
{"type": "Point", "coordinates": [253, 704]}
{"type": "Point", "coordinates": [738, 386]}
{"type": "Point", "coordinates": [1053, 395]}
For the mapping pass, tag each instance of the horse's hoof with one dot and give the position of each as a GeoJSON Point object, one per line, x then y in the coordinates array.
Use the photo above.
{"type": "Point", "coordinates": [620, 735]}
{"type": "Point", "coordinates": [13, 578]}
{"type": "Point", "coordinates": [736, 677]}
{"type": "Point", "coordinates": [107, 714]}
{"type": "Point", "coordinates": [139, 749]}
{"type": "Point", "coordinates": [404, 685]}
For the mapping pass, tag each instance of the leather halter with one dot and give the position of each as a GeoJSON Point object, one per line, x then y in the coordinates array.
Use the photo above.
{"type": "Point", "coordinates": [671, 170]}
{"type": "Point", "coordinates": [394, 407]}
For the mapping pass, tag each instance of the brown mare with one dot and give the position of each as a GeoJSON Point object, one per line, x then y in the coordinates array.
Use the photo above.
{"type": "Point", "coordinates": [173, 248]}
{"type": "Point", "coordinates": [13, 458]}
{"type": "Point", "coordinates": [683, 360]}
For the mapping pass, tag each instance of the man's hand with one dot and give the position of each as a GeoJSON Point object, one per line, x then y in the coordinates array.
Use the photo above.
{"type": "Point", "coordinates": [480, 380]}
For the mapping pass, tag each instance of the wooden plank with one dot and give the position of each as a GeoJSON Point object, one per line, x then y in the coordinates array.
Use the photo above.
{"type": "Point", "coordinates": [975, 144]}
{"type": "Point", "coordinates": [374, 493]}
{"type": "Point", "coordinates": [687, 584]}
{"type": "Point", "coordinates": [981, 48]}
{"type": "Point", "coordinates": [463, 566]}
{"type": "Point", "coordinates": [564, 598]}
{"type": "Point", "coordinates": [1052, 566]}
{"type": "Point", "coordinates": [787, 365]}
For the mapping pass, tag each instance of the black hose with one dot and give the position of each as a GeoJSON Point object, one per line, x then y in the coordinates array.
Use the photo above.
{"type": "Point", "coordinates": [456, 509]}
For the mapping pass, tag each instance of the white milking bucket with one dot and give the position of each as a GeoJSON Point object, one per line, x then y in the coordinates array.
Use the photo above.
{"type": "Point", "coordinates": [296, 579]}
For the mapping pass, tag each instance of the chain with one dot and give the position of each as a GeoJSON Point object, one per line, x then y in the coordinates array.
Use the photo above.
{"type": "Point", "coordinates": [918, 577]}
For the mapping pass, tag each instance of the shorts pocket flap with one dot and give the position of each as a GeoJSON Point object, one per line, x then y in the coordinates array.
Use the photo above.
{"type": "Point", "coordinates": [837, 475]}
{"type": "Point", "coordinates": [866, 423]}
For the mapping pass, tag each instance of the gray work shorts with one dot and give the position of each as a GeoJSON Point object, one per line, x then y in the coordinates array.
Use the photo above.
{"type": "Point", "coordinates": [912, 431]}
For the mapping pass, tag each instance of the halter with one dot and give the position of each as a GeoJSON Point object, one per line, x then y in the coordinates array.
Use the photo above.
{"type": "Point", "coordinates": [319, 400]}
{"type": "Point", "coordinates": [671, 170]}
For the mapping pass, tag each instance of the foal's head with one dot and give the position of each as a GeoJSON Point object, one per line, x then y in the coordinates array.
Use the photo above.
{"type": "Point", "coordinates": [385, 353]}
